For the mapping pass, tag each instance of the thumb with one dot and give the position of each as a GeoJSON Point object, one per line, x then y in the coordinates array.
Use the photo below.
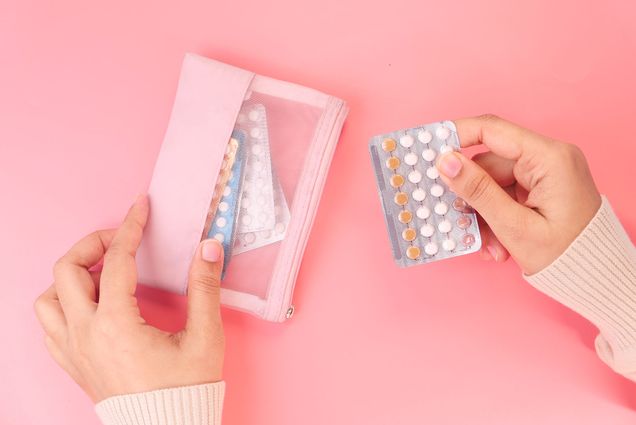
{"type": "Point", "coordinates": [508, 219]}
{"type": "Point", "coordinates": [204, 288]}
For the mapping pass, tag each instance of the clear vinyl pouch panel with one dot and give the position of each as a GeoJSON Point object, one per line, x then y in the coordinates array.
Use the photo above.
{"type": "Point", "coordinates": [274, 136]}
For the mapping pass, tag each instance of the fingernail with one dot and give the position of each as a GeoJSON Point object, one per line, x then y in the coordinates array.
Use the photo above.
{"type": "Point", "coordinates": [493, 251]}
{"type": "Point", "coordinates": [211, 250]}
{"type": "Point", "coordinates": [449, 165]}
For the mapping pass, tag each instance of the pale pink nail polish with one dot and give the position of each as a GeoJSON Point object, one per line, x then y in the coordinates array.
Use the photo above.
{"type": "Point", "coordinates": [449, 165]}
{"type": "Point", "coordinates": [211, 250]}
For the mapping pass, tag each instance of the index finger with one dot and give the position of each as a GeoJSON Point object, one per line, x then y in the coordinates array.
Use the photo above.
{"type": "Point", "coordinates": [76, 289]}
{"type": "Point", "coordinates": [119, 274]}
{"type": "Point", "coordinates": [502, 137]}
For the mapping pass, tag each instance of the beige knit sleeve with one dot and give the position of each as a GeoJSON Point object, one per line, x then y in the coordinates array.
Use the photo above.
{"type": "Point", "coordinates": [596, 277]}
{"type": "Point", "coordinates": [193, 405]}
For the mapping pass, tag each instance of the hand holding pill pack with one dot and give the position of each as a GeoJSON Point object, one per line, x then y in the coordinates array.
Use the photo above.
{"type": "Point", "coordinates": [426, 222]}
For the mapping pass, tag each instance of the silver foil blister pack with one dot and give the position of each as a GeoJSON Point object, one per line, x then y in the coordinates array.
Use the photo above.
{"type": "Point", "coordinates": [425, 220]}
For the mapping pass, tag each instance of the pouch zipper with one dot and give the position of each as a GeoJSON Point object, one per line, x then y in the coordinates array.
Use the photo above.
{"type": "Point", "coordinates": [335, 112]}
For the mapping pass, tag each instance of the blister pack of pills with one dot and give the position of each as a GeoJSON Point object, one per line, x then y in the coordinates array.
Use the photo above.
{"type": "Point", "coordinates": [225, 173]}
{"type": "Point", "coordinates": [252, 240]}
{"type": "Point", "coordinates": [257, 197]}
{"type": "Point", "coordinates": [426, 221]}
{"type": "Point", "coordinates": [223, 226]}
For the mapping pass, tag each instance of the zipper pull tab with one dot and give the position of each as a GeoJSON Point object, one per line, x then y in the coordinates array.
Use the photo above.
{"type": "Point", "coordinates": [290, 312]}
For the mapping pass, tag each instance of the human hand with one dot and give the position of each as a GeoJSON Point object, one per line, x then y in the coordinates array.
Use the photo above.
{"type": "Point", "coordinates": [534, 193]}
{"type": "Point", "coordinates": [94, 329]}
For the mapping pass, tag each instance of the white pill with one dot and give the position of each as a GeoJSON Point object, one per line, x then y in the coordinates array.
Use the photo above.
{"type": "Point", "coordinates": [415, 177]}
{"type": "Point", "coordinates": [223, 206]}
{"type": "Point", "coordinates": [423, 212]}
{"type": "Point", "coordinates": [445, 149]}
{"type": "Point", "coordinates": [410, 158]}
{"type": "Point", "coordinates": [432, 173]}
{"type": "Point", "coordinates": [257, 149]}
{"type": "Point", "coordinates": [245, 202]}
{"type": "Point", "coordinates": [227, 191]}
{"type": "Point", "coordinates": [249, 238]}
{"type": "Point", "coordinates": [253, 115]}
{"type": "Point", "coordinates": [255, 132]}
{"type": "Point", "coordinates": [221, 222]}
{"type": "Point", "coordinates": [258, 166]}
{"type": "Point", "coordinates": [441, 208]}
{"type": "Point", "coordinates": [219, 237]}
{"type": "Point", "coordinates": [419, 195]}
{"type": "Point", "coordinates": [246, 220]}
{"type": "Point", "coordinates": [279, 228]}
{"type": "Point", "coordinates": [428, 155]}
{"type": "Point", "coordinates": [444, 226]}
{"type": "Point", "coordinates": [448, 244]}
{"type": "Point", "coordinates": [427, 230]}
{"type": "Point", "coordinates": [442, 133]}
{"type": "Point", "coordinates": [437, 190]}
{"type": "Point", "coordinates": [430, 248]}
{"type": "Point", "coordinates": [407, 141]}
{"type": "Point", "coordinates": [424, 136]}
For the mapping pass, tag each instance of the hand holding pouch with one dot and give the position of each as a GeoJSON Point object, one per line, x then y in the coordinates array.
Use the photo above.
{"type": "Point", "coordinates": [303, 128]}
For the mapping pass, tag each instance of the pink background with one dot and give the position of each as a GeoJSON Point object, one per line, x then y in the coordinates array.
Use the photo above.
{"type": "Point", "coordinates": [86, 90]}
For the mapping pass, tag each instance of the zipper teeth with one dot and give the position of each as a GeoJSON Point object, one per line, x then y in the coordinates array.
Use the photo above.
{"type": "Point", "coordinates": [335, 114]}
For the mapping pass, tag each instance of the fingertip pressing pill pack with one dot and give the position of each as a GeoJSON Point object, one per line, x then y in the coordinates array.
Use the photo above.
{"type": "Point", "coordinates": [426, 221]}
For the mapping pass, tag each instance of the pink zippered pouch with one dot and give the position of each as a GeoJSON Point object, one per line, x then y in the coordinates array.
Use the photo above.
{"type": "Point", "coordinates": [214, 101]}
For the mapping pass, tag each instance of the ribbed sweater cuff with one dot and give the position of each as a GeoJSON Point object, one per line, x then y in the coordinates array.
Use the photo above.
{"type": "Point", "coordinates": [192, 405]}
{"type": "Point", "coordinates": [596, 277]}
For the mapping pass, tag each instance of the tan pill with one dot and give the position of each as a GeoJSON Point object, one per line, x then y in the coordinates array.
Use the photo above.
{"type": "Point", "coordinates": [397, 180]}
{"type": "Point", "coordinates": [401, 198]}
{"type": "Point", "coordinates": [409, 234]}
{"type": "Point", "coordinates": [393, 163]}
{"type": "Point", "coordinates": [405, 216]}
{"type": "Point", "coordinates": [413, 252]}
{"type": "Point", "coordinates": [389, 145]}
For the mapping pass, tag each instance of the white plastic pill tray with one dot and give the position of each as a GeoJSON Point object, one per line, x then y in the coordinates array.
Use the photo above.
{"type": "Point", "coordinates": [426, 221]}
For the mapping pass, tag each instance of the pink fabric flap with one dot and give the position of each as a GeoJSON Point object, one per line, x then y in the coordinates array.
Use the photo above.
{"type": "Point", "coordinates": [208, 100]}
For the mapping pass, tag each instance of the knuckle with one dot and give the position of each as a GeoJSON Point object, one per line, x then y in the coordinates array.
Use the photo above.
{"type": "Point", "coordinates": [59, 266]}
{"type": "Point", "coordinates": [207, 283]}
{"type": "Point", "coordinates": [477, 188]}
{"type": "Point", "coordinates": [489, 118]}
{"type": "Point", "coordinates": [566, 151]}
{"type": "Point", "coordinates": [39, 305]}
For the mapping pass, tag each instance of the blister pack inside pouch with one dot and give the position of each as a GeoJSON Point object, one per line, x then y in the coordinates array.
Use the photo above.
{"type": "Point", "coordinates": [258, 194]}
{"type": "Point", "coordinates": [425, 220]}
{"type": "Point", "coordinates": [225, 203]}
